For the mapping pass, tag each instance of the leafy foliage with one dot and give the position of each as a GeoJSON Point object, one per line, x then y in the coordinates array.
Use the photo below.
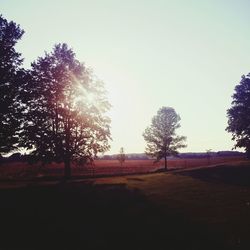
{"type": "Point", "coordinates": [161, 138]}
{"type": "Point", "coordinates": [11, 76]}
{"type": "Point", "coordinates": [239, 115]}
{"type": "Point", "coordinates": [64, 109]}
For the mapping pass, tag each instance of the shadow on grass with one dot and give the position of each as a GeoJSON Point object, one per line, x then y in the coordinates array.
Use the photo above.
{"type": "Point", "coordinates": [86, 216]}
{"type": "Point", "coordinates": [135, 179]}
{"type": "Point", "coordinates": [233, 175]}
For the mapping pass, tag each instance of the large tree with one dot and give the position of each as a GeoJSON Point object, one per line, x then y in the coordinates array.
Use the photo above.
{"type": "Point", "coordinates": [161, 138]}
{"type": "Point", "coordinates": [65, 107]}
{"type": "Point", "coordinates": [10, 77]}
{"type": "Point", "coordinates": [239, 115]}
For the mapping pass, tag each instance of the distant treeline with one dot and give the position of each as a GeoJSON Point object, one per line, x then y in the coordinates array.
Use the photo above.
{"type": "Point", "coordinates": [143, 156]}
{"type": "Point", "coordinates": [18, 157]}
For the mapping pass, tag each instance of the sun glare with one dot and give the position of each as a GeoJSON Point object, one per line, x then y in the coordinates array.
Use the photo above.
{"type": "Point", "coordinates": [85, 98]}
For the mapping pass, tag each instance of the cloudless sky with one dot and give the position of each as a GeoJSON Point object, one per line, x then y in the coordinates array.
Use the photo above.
{"type": "Point", "coordinates": [188, 55]}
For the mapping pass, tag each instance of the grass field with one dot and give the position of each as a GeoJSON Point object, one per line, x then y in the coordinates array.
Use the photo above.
{"type": "Point", "coordinates": [193, 209]}
{"type": "Point", "coordinates": [16, 170]}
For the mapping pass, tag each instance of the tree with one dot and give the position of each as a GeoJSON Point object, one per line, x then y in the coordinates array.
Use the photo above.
{"type": "Point", "coordinates": [239, 115]}
{"type": "Point", "coordinates": [121, 157]}
{"type": "Point", "coordinates": [160, 136]}
{"type": "Point", "coordinates": [10, 78]}
{"type": "Point", "coordinates": [209, 152]}
{"type": "Point", "coordinates": [65, 107]}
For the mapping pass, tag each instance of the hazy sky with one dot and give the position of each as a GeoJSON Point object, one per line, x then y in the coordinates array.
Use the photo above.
{"type": "Point", "coordinates": [188, 55]}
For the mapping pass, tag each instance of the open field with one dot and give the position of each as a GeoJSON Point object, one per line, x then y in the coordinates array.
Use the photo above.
{"type": "Point", "coordinates": [193, 209]}
{"type": "Point", "coordinates": [17, 170]}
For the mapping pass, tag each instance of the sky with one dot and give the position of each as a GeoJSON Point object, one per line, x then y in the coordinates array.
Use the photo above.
{"type": "Point", "coordinates": [188, 55]}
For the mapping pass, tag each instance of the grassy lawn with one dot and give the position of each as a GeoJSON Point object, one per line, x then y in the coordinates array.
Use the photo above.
{"type": "Point", "coordinates": [207, 208]}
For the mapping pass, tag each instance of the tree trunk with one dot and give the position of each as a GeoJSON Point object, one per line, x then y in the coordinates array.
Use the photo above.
{"type": "Point", "coordinates": [67, 169]}
{"type": "Point", "coordinates": [165, 162]}
{"type": "Point", "coordinates": [67, 158]}
{"type": "Point", "coordinates": [248, 153]}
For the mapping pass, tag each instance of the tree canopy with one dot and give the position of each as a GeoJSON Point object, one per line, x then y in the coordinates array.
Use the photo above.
{"type": "Point", "coordinates": [161, 137]}
{"type": "Point", "coordinates": [65, 107]}
{"type": "Point", "coordinates": [57, 109]}
{"type": "Point", "coordinates": [11, 76]}
{"type": "Point", "coordinates": [239, 115]}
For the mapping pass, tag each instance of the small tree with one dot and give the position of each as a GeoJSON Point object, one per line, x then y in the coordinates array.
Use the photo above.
{"type": "Point", "coordinates": [239, 115]}
{"type": "Point", "coordinates": [160, 136]}
{"type": "Point", "coordinates": [209, 151]}
{"type": "Point", "coordinates": [121, 157]}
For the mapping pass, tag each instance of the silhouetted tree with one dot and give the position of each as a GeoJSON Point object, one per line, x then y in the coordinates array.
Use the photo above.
{"type": "Point", "coordinates": [10, 78]}
{"type": "Point", "coordinates": [160, 136]}
{"type": "Point", "coordinates": [209, 152]}
{"type": "Point", "coordinates": [65, 110]}
{"type": "Point", "coordinates": [239, 115]}
{"type": "Point", "coordinates": [121, 157]}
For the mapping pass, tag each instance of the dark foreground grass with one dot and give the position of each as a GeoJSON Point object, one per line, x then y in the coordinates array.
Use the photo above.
{"type": "Point", "coordinates": [177, 210]}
